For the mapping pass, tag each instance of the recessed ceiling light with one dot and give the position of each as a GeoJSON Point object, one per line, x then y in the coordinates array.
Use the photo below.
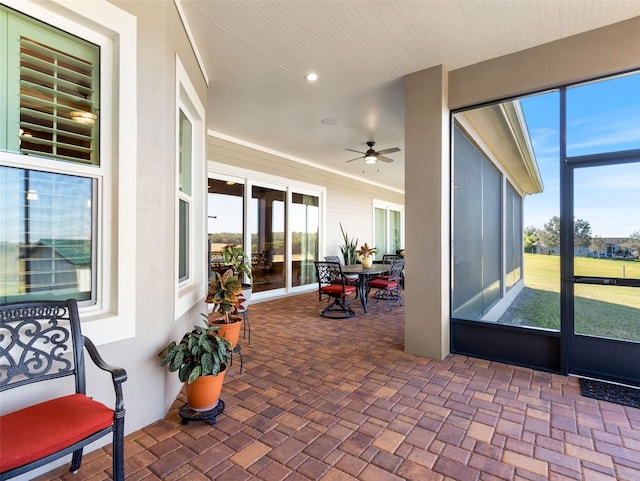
{"type": "Point", "coordinates": [328, 121]}
{"type": "Point", "coordinates": [312, 77]}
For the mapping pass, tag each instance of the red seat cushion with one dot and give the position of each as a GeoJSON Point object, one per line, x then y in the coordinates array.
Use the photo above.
{"type": "Point", "coordinates": [336, 289]}
{"type": "Point", "coordinates": [383, 284]}
{"type": "Point", "coordinates": [37, 431]}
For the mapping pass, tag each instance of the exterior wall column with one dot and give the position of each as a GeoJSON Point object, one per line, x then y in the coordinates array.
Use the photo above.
{"type": "Point", "coordinates": [427, 199]}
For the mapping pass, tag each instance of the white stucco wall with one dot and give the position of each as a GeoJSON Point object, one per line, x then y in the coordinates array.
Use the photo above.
{"type": "Point", "coordinates": [149, 390]}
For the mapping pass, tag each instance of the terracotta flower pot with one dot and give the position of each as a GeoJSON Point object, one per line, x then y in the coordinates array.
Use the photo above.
{"type": "Point", "coordinates": [231, 331]}
{"type": "Point", "coordinates": [203, 394]}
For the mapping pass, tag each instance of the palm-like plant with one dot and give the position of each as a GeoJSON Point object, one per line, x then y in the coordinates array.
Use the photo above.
{"type": "Point", "coordinates": [348, 249]}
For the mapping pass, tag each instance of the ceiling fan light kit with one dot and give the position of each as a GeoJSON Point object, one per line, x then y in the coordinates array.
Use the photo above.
{"type": "Point", "coordinates": [371, 156]}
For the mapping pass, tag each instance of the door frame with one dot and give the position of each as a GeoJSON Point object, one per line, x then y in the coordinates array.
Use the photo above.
{"type": "Point", "coordinates": [387, 207]}
{"type": "Point", "coordinates": [616, 360]}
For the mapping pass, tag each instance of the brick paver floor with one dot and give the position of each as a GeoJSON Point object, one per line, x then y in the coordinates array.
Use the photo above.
{"type": "Point", "coordinates": [324, 399]}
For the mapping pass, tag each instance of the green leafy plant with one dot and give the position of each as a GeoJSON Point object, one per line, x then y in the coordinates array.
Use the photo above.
{"type": "Point", "coordinates": [348, 248]}
{"type": "Point", "coordinates": [200, 352]}
{"type": "Point", "coordinates": [236, 258]}
{"type": "Point", "coordinates": [225, 293]}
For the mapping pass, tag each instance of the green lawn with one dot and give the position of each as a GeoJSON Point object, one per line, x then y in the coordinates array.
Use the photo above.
{"type": "Point", "coordinates": [606, 311]}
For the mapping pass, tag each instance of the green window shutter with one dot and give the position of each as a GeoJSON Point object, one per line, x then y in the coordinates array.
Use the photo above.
{"type": "Point", "coordinates": [53, 93]}
{"type": "Point", "coordinates": [3, 79]}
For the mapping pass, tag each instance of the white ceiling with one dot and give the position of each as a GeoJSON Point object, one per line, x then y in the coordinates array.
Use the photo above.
{"type": "Point", "coordinates": [256, 55]}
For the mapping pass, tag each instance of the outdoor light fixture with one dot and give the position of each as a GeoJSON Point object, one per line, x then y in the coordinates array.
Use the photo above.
{"type": "Point", "coordinates": [32, 194]}
{"type": "Point", "coordinates": [370, 159]}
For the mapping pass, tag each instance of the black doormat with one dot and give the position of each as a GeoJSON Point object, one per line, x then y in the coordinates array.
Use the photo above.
{"type": "Point", "coordinates": [606, 391]}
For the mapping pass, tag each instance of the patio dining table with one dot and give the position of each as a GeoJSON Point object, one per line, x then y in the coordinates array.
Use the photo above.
{"type": "Point", "coordinates": [364, 274]}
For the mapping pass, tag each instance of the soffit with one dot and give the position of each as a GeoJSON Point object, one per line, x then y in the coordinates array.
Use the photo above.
{"type": "Point", "coordinates": [500, 132]}
{"type": "Point", "coordinates": [256, 54]}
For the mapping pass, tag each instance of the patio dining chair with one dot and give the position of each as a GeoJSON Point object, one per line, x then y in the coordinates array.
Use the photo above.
{"type": "Point", "coordinates": [332, 283]}
{"type": "Point", "coordinates": [352, 279]}
{"type": "Point", "coordinates": [388, 287]}
{"type": "Point", "coordinates": [388, 259]}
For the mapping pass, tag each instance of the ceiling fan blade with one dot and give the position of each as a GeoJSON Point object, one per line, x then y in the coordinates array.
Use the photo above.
{"type": "Point", "coordinates": [384, 159]}
{"type": "Point", "coordinates": [388, 151]}
{"type": "Point", "coordinates": [356, 151]}
{"type": "Point", "coordinates": [351, 160]}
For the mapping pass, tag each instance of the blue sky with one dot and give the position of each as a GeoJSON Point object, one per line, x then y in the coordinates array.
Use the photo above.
{"type": "Point", "coordinates": [601, 117]}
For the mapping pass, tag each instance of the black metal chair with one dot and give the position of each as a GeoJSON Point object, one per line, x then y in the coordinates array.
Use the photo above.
{"type": "Point", "coordinates": [353, 279]}
{"type": "Point", "coordinates": [42, 341]}
{"type": "Point", "coordinates": [332, 283]}
{"type": "Point", "coordinates": [263, 261]}
{"type": "Point", "coordinates": [389, 258]}
{"type": "Point", "coordinates": [388, 287]}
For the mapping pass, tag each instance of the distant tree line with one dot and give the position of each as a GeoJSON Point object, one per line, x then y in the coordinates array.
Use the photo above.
{"type": "Point", "coordinates": [277, 240]}
{"type": "Point", "coordinates": [550, 237]}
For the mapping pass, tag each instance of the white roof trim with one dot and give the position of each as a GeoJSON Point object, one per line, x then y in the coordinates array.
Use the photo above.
{"type": "Point", "coordinates": [192, 41]}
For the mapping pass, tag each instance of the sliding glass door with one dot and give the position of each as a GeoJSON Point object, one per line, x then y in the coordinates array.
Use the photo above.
{"type": "Point", "coordinates": [388, 229]}
{"type": "Point", "coordinates": [268, 242]}
{"type": "Point", "coordinates": [225, 218]}
{"type": "Point", "coordinates": [278, 225]}
{"type": "Point", "coordinates": [305, 228]}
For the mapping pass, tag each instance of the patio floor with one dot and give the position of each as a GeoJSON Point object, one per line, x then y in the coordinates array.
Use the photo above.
{"type": "Point", "coordinates": [340, 400]}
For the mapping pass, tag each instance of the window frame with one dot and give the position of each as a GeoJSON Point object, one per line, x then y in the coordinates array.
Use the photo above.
{"type": "Point", "coordinates": [505, 294]}
{"type": "Point", "coordinates": [192, 289]}
{"type": "Point", "coordinates": [57, 44]}
{"type": "Point", "coordinates": [110, 318]}
{"type": "Point", "coordinates": [184, 162]}
{"type": "Point", "coordinates": [289, 233]}
{"type": "Point", "coordinates": [387, 207]}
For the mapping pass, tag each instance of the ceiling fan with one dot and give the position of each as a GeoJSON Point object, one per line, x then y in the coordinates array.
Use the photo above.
{"type": "Point", "coordinates": [371, 156]}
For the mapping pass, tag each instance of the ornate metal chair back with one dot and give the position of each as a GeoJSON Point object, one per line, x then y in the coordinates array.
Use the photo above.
{"type": "Point", "coordinates": [389, 258]}
{"type": "Point", "coordinates": [329, 272]}
{"type": "Point", "coordinates": [396, 270]}
{"type": "Point", "coordinates": [332, 283]}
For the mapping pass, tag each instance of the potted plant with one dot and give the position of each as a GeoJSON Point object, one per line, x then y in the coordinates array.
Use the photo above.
{"type": "Point", "coordinates": [225, 294]}
{"type": "Point", "coordinates": [201, 359]}
{"type": "Point", "coordinates": [348, 249]}
{"type": "Point", "coordinates": [236, 258]}
{"type": "Point", "coordinates": [365, 255]}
